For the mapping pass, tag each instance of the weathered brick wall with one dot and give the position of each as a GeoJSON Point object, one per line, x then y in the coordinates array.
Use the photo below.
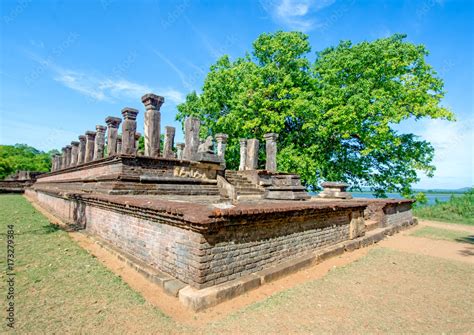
{"type": "Point", "coordinates": [397, 214]}
{"type": "Point", "coordinates": [133, 167]}
{"type": "Point", "coordinates": [239, 250]}
{"type": "Point", "coordinates": [203, 260]}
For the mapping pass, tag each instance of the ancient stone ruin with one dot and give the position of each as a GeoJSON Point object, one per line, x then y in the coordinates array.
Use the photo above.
{"type": "Point", "coordinates": [202, 232]}
{"type": "Point", "coordinates": [18, 182]}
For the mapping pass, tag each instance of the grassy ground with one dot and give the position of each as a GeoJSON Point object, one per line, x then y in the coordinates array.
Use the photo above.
{"type": "Point", "coordinates": [458, 210]}
{"type": "Point", "coordinates": [62, 289]}
{"type": "Point", "coordinates": [444, 234]}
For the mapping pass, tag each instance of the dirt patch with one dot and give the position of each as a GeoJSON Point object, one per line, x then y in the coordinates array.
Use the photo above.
{"type": "Point", "coordinates": [450, 226]}
{"type": "Point", "coordinates": [437, 248]}
{"type": "Point", "coordinates": [174, 309]}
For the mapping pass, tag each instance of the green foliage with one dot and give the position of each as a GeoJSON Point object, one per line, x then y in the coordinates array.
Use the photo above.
{"type": "Point", "coordinates": [335, 116]}
{"type": "Point", "coordinates": [420, 198]}
{"type": "Point", "coordinates": [22, 157]}
{"type": "Point", "coordinates": [459, 209]}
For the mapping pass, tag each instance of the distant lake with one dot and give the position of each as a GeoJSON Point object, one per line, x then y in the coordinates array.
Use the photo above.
{"type": "Point", "coordinates": [431, 197]}
{"type": "Point", "coordinates": [442, 197]}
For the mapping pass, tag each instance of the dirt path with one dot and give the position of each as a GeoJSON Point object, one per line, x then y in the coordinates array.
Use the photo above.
{"type": "Point", "coordinates": [437, 248]}
{"type": "Point", "coordinates": [444, 225]}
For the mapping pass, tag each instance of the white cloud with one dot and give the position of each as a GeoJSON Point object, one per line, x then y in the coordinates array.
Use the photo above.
{"type": "Point", "coordinates": [295, 14]}
{"type": "Point", "coordinates": [100, 87]}
{"type": "Point", "coordinates": [110, 89]}
{"type": "Point", "coordinates": [454, 153]}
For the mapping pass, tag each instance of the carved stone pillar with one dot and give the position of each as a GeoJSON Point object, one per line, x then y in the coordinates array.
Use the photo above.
{"type": "Point", "coordinates": [113, 124]}
{"type": "Point", "coordinates": [221, 145]}
{"type": "Point", "coordinates": [119, 144]}
{"type": "Point", "coordinates": [90, 143]}
{"type": "Point", "coordinates": [152, 104]}
{"type": "Point", "coordinates": [81, 154]}
{"type": "Point", "coordinates": [243, 154]}
{"type": "Point", "coordinates": [271, 151]}
{"type": "Point", "coordinates": [74, 152]}
{"type": "Point", "coordinates": [99, 144]}
{"type": "Point", "coordinates": [137, 141]}
{"type": "Point", "coordinates": [129, 128]}
{"type": "Point", "coordinates": [54, 162]}
{"type": "Point", "coordinates": [180, 150]}
{"type": "Point", "coordinates": [169, 142]}
{"type": "Point", "coordinates": [68, 155]}
{"type": "Point", "coordinates": [63, 158]}
{"type": "Point", "coordinates": [192, 127]}
{"type": "Point", "coordinates": [252, 154]}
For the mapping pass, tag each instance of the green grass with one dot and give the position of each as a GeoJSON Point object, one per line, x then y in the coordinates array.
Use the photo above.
{"type": "Point", "coordinates": [444, 234]}
{"type": "Point", "coordinates": [459, 209]}
{"type": "Point", "coordinates": [60, 288]}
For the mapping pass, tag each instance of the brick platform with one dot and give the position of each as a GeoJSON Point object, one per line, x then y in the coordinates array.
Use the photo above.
{"type": "Point", "coordinates": [168, 214]}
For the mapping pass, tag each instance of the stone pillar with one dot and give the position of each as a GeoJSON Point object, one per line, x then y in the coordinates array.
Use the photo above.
{"type": "Point", "coordinates": [68, 155]}
{"type": "Point", "coordinates": [243, 154]}
{"type": "Point", "coordinates": [137, 141]}
{"type": "Point", "coordinates": [74, 152]}
{"type": "Point", "coordinates": [271, 151]}
{"type": "Point", "coordinates": [221, 145]}
{"type": "Point", "coordinates": [252, 154]}
{"type": "Point", "coordinates": [81, 154]}
{"type": "Point", "coordinates": [152, 104]}
{"type": "Point", "coordinates": [99, 144]}
{"type": "Point", "coordinates": [113, 124]}
{"type": "Point", "coordinates": [57, 165]}
{"type": "Point", "coordinates": [119, 144]}
{"type": "Point", "coordinates": [90, 143]}
{"type": "Point", "coordinates": [63, 158]}
{"type": "Point", "coordinates": [54, 163]}
{"type": "Point", "coordinates": [192, 127]}
{"type": "Point", "coordinates": [169, 142]}
{"type": "Point", "coordinates": [129, 127]}
{"type": "Point", "coordinates": [180, 150]}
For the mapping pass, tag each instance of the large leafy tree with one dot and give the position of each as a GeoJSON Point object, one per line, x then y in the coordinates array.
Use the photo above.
{"type": "Point", "coordinates": [335, 116]}
{"type": "Point", "coordinates": [23, 157]}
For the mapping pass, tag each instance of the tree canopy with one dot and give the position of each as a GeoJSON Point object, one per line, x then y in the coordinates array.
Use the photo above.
{"type": "Point", "coordinates": [22, 157]}
{"type": "Point", "coordinates": [335, 115]}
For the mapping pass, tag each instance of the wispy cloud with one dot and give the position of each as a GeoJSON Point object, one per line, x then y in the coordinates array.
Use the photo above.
{"type": "Point", "coordinates": [107, 88]}
{"type": "Point", "coordinates": [296, 14]}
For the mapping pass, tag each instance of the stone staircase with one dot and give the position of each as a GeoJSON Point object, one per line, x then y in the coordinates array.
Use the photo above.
{"type": "Point", "coordinates": [244, 188]}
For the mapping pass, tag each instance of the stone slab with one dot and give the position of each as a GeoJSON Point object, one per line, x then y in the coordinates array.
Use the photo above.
{"type": "Point", "coordinates": [285, 268]}
{"type": "Point", "coordinates": [172, 287]}
{"type": "Point", "coordinates": [199, 300]}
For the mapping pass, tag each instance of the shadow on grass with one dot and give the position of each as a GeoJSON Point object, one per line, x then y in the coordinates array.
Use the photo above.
{"type": "Point", "coordinates": [43, 230]}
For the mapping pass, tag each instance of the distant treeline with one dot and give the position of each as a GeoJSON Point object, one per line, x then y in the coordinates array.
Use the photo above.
{"type": "Point", "coordinates": [23, 157]}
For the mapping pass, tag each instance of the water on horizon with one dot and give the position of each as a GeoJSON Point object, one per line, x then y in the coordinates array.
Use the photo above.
{"type": "Point", "coordinates": [431, 197]}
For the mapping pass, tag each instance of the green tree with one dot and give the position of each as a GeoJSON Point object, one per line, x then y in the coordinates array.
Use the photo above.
{"type": "Point", "coordinates": [22, 157]}
{"type": "Point", "coordinates": [335, 116]}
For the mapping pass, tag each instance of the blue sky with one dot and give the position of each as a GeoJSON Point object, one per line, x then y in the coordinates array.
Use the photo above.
{"type": "Point", "coordinates": [66, 65]}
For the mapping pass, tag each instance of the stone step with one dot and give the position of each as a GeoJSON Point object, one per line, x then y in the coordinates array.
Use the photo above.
{"type": "Point", "coordinates": [249, 189]}
{"type": "Point", "coordinates": [245, 185]}
{"type": "Point", "coordinates": [371, 225]}
{"type": "Point", "coordinates": [249, 197]}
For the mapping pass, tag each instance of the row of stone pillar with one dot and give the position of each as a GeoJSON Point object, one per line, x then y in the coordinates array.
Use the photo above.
{"type": "Point", "coordinates": [91, 146]}
{"type": "Point", "coordinates": [249, 153]}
